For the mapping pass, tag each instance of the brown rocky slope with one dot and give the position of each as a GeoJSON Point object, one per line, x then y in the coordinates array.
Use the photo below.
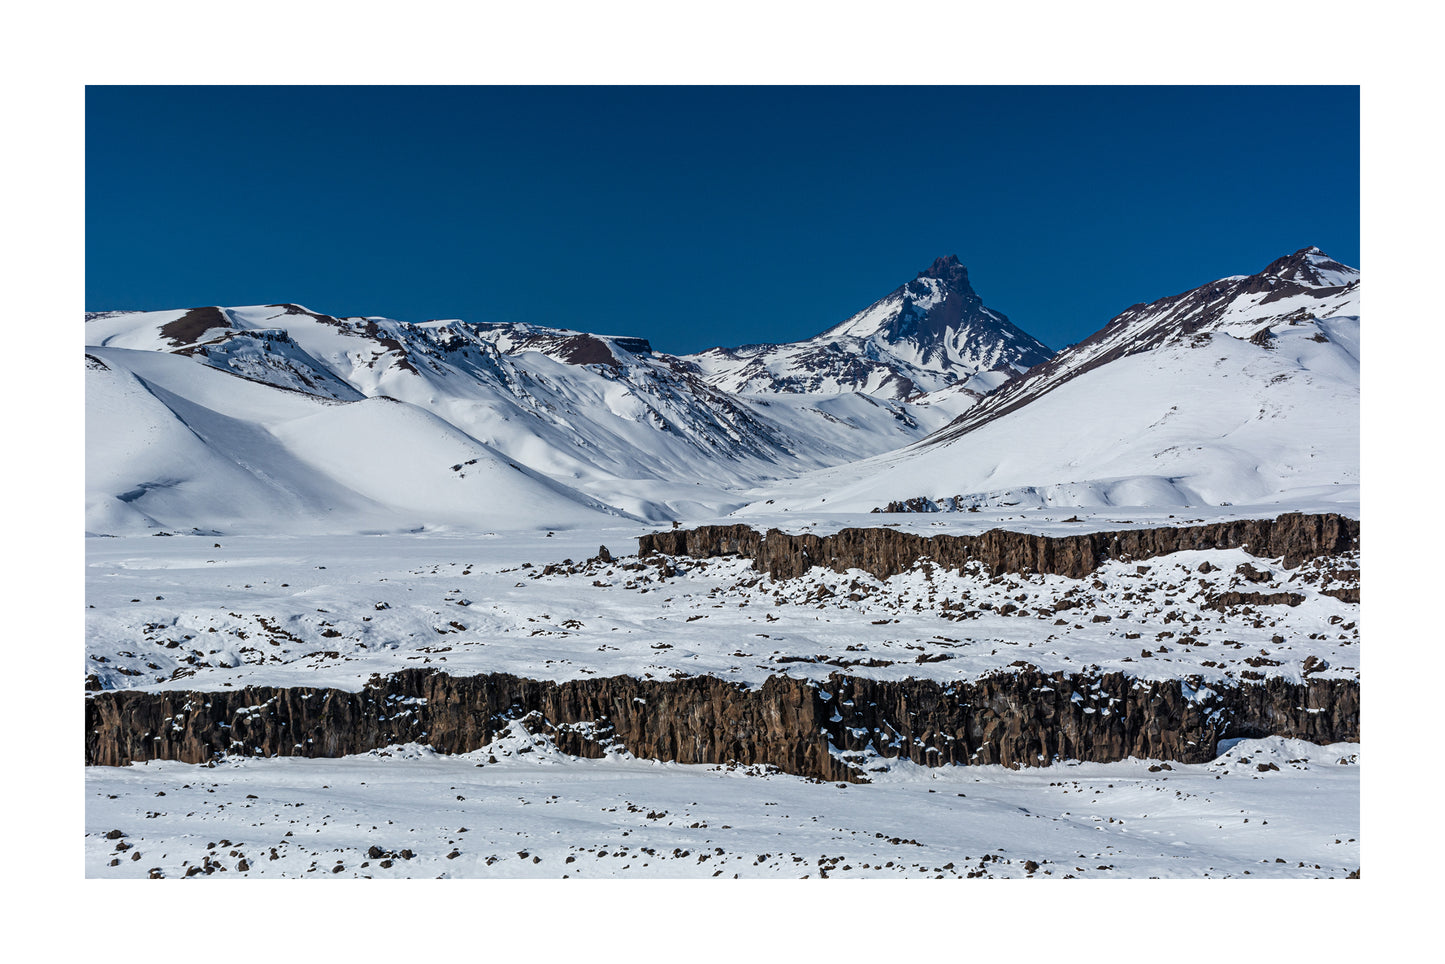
{"type": "Point", "coordinates": [885, 552]}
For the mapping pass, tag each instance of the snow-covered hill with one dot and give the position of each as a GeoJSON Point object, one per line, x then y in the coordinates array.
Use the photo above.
{"type": "Point", "coordinates": [634, 429]}
{"type": "Point", "coordinates": [929, 334]}
{"type": "Point", "coordinates": [174, 445]}
{"type": "Point", "coordinates": [1244, 390]}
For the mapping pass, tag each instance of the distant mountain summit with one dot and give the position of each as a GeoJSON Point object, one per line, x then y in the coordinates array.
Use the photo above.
{"type": "Point", "coordinates": [1312, 268]}
{"type": "Point", "coordinates": [928, 334]}
{"type": "Point", "coordinates": [1292, 290]}
{"type": "Point", "coordinates": [1243, 391]}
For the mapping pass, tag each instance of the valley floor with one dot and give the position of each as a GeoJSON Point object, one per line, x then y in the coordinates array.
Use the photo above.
{"type": "Point", "coordinates": [1266, 808]}
{"type": "Point", "coordinates": [201, 612]}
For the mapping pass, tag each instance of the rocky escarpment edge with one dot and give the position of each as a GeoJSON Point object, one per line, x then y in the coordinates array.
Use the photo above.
{"type": "Point", "coordinates": [829, 730]}
{"type": "Point", "coordinates": [883, 552]}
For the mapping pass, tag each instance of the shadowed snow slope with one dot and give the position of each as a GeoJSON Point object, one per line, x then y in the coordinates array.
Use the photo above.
{"type": "Point", "coordinates": [1243, 390]}
{"type": "Point", "coordinates": [172, 444]}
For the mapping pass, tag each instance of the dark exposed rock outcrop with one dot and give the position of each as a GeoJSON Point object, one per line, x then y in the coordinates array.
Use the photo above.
{"type": "Point", "coordinates": [1226, 600]}
{"type": "Point", "coordinates": [194, 324]}
{"type": "Point", "coordinates": [817, 729]}
{"type": "Point", "coordinates": [885, 552]}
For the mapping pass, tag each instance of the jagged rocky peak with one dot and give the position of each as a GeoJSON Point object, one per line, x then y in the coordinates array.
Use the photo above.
{"type": "Point", "coordinates": [1313, 268]}
{"type": "Point", "coordinates": [938, 302]}
{"type": "Point", "coordinates": [950, 271]}
{"type": "Point", "coordinates": [930, 333]}
{"type": "Point", "coordinates": [939, 308]}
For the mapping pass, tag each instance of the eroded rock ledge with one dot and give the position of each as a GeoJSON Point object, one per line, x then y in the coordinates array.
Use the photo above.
{"type": "Point", "coordinates": [885, 552]}
{"type": "Point", "coordinates": [827, 729]}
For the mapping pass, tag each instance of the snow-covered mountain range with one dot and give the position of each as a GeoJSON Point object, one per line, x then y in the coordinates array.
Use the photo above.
{"type": "Point", "coordinates": [929, 334]}
{"type": "Point", "coordinates": [1245, 389]}
{"type": "Point", "coordinates": [259, 417]}
{"type": "Point", "coordinates": [605, 418]}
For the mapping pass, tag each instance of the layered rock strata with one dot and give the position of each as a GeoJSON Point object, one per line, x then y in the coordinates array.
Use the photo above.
{"type": "Point", "coordinates": [885, 552]}
{"type": "Point", "coordinates": [832, 729]}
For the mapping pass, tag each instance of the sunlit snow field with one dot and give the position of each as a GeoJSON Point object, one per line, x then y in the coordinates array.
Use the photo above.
{"type": "Point", "coordinates": [1265, 808]}
{"type": "Point", "coordinates": [209, 612]}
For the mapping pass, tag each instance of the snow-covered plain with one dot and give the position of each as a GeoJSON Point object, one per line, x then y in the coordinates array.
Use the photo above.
{"type": "Point", "coordinates": [185, 612]}
{"type": "Point", "coordinates": [205, 612]}
{"type": "Point", "coordinates": [518, 808]}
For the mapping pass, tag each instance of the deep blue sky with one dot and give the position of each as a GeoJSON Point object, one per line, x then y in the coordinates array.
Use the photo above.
{"type": "Point", "coordinates": [697, 216]}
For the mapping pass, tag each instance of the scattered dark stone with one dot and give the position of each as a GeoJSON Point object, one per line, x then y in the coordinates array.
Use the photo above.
{"type": "Point", "coordinates": [1251, 574]}
{"type": "Point", "coordinates": [1264, 338]}
{"type": "Point", "coordinates": [1226, 600]}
